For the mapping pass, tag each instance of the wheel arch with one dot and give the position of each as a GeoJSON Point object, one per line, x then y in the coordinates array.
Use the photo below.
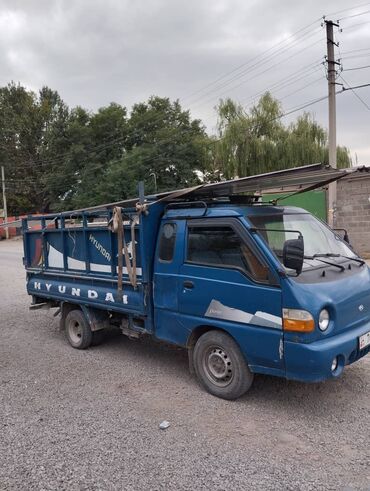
{"type": "Point", "coordinates": [193, 337]}
{"type": "Point", "coordinates": [97, 319]}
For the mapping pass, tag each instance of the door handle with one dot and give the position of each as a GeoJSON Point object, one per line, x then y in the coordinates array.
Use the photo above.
{"type": "Point", "coordinates": [188, 284]}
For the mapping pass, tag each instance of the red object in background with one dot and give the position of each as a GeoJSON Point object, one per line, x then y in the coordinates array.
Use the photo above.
{"type": "Point", "coordinates": [15, 230]}
{"type": "Point", "coordinates": [12, 230]}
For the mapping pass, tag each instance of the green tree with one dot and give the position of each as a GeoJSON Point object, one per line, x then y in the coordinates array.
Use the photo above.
{"type": "Point", "coordinates": [257, 142]}
{"type": "Point", "coordinates": [27, 122]}
{"type": "Point", "coordinates": [106, 134]}
{"type": "Point", "coordinates": [164, 148]}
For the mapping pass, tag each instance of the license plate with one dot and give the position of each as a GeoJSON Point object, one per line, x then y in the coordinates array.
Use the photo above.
{"type": "Point", "coordinates": [364, 340]}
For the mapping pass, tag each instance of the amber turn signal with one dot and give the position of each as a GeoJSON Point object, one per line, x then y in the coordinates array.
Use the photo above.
{"type": "Point", "coordinates": [298, 320]}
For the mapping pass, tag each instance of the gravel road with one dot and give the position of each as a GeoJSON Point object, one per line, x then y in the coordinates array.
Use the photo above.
{"type": "Point", "coordinates": [86, 420]}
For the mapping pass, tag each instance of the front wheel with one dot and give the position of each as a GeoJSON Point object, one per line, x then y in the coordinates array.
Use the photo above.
{"type": "Point", "coordinates": [220, 365]}
{"type": "Point", "coordinates": [78, 331]}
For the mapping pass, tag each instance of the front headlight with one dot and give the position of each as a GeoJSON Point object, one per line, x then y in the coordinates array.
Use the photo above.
{"type": "Point", "coordinates": [324, 319]}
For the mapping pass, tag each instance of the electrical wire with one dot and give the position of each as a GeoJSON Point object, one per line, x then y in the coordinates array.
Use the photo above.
{"type": "Point", "coordinates": [260, 73]}
{"type": "Point", "coordinates": [354, 15]}
{"type": "Point", "coordinates": [290, 79]}
{"type": "Point", "coordinates": [302, 88]}
{"type": "Point", "coordinates": [355, 93]}
{"type": "Point", "coordinates": [349, 8]}
{"type": "Point", "coordinates": [286, 82]}
{"type": "Point", "coordinates": [352, 57]}
{"type": "Point", "coordinates": [245, 64]}
{"type": "Point", "coordinates": [256, 66]}
{"type": "Point", "coordinates": [351, 26]}
{"type": "Point", "coordinates": [356, 68]}
{"type": "Point", "coordinates": [304, 106]}
{"type": "Point", "coordinates": [355, 51]}
{"type": "Point", "coordinates": [361, 86]}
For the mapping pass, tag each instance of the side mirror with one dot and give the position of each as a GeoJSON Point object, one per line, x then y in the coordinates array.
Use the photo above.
{"type": "Point", "coordinates": [293, 254]}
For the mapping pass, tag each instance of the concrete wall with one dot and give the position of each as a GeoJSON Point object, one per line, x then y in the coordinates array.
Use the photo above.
{"type": "Point", "coordinates": [353, 210]}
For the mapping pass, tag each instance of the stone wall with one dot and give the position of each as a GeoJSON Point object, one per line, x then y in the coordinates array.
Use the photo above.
{"type": "Point", "coordinates": [353, 210]}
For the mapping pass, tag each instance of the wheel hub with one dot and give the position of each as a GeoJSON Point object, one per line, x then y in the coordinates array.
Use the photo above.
{"type": "Point", "coordinates": [218, 366]}
{"type": "Point", "coordinates": [75, 331]}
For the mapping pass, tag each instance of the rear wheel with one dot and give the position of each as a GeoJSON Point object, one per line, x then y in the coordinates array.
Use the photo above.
{"type": "Point", "coordinates": [220, 365]}
{"type": "Point", "coordinates": [78, 331]}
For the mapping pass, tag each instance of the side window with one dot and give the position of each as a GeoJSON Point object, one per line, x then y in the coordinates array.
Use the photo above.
{"type": "Point", "coordinates": [167, 242]}
{"type": "Point", "coordinates": [221, 246]}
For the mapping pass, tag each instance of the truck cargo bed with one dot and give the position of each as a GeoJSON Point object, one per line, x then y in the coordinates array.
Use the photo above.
{"type": "Point", "coordinates": [75, 259]}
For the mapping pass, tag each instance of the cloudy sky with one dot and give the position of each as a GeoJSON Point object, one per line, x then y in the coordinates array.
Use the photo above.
{"type": "Point", "coordinates": [97, 51]}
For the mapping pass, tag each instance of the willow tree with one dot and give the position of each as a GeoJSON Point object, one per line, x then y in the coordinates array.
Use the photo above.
{"type": "Point", "coordinates": [257, 141]}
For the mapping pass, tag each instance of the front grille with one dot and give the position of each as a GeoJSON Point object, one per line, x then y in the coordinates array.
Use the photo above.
{"type": "Point", "coordinates": [357, 354]}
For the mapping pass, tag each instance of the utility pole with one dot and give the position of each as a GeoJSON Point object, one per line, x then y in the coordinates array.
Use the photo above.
{"type": "Point", "coordinates": [4, 201]}
{"type": "Point", "coordinates": [332, 195]}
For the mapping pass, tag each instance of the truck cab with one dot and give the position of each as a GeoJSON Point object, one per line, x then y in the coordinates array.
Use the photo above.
{"type": "Point", "coordinates": [219, 276]}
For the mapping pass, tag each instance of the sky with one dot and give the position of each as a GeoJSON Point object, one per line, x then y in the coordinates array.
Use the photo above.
{"type": "Point", "coordinates": [94, 52]}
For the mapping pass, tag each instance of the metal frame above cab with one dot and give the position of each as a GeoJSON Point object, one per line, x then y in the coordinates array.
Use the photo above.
{"type": "Point", "coordinates": [294, 180]}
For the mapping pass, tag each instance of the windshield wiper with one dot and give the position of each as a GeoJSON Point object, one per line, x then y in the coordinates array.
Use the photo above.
{"type": "Point", "coordinates": [317, 256]}
{"type": "Point", "coordinates": [332, 254]}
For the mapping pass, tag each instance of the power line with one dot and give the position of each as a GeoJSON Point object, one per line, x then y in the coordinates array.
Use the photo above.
{"type": "Point", "coordinates": [271, 58]}
{"type": "Point", "coordinates": [250, 69]}
{"type": "Point", "coordinates": [290, 79]}
{"type": "Point", "coordinates": [356, 68]}
{"type": "Point", "coordinates": [275, 88]}
{"type": "Point", "coordinates": [356, 56]}
{"type": "Point", "coordinates": [304, 106]}
{"type": "Point", "coordinates": [351, 26]}
{"type": "Point", "coordinates": [355, 51]}
{"type": "Point", "coordinates": [302, 88]}
{"type": "Point", "coordinates": [245, 64]}
{"type": "Point", "coordinates": [355, 93]}
{"type": "Point", "coordinates": [354, 15]}
{"type": "Point", "coordinates": [346, 10]}
{"type": "Point", "coordinates": [264, 71]}
{"type": "Point", "coordinates": [293, 77]}
{"type": "Point", "coordinates": [358, 86]}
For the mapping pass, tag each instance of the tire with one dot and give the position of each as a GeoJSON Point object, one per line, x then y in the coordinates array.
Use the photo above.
{"type": "Point", "coordinates": [220, 366]}
{"type": "Point", "coordinates": [98, 337]}
{"type": "Point", "coordinates": [78, 331]}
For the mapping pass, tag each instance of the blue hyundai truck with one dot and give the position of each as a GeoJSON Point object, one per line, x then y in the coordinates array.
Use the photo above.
{"type": "Point", "coordinates": [245, 287]}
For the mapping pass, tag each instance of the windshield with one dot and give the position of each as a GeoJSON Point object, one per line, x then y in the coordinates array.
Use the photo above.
{"type": "Point", "coordinates": [318, 239]}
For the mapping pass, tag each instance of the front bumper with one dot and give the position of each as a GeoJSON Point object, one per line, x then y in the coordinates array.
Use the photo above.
{"type": "Point", "coordinates": [312, 362]}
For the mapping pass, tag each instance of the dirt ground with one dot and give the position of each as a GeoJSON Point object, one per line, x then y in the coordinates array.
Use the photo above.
{"type": "Point", "coordinates": [86, 420]}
